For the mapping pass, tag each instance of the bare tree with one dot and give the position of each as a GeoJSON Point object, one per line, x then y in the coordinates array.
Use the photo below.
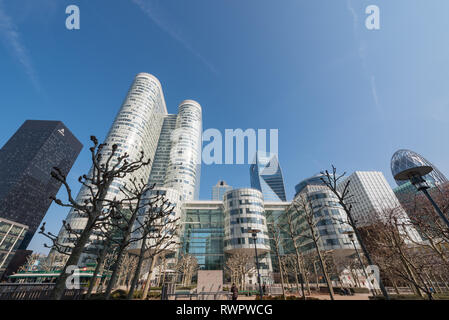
{"type": "Point", "coordinates": [95, 208]}
{"type": "Point", "coordinates": [241, 264]}
{"type": "Point", "coordinates": [276, 236]}
{"type": "Point", "coordinates": [303, 206]}
{"type": "Point", "coordinates": [290, 268]}
{"type": "Point", "coordinates": [136, 198]}
{"type": "Point", "coordinates": [30, 262]}
{"type": "Point", "coordinates": [427, 222]}
{"type": "Point", "coordinates": [388, 240]}
{"type": "Point", "coordinates": [332, 180]}
{"type": "Point", "coordinates": [158, 231]}
{"type": "Point", "coordinates": [187, 265]}
{"type": "Point", "coordinates": [293, 229]}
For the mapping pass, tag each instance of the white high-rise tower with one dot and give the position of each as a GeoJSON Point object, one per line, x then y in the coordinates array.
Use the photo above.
{"type": "Point", "coordinates": [136, 128]}
{"type": "Point", "coordinates": [184, 167]}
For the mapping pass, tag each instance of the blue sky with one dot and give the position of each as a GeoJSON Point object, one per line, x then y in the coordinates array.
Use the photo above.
{"type": "Point", "coordinates": [338, 93]}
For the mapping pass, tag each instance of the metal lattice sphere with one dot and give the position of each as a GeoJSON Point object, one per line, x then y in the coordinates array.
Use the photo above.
{"type": "Point", "coordinates": [406, 159]}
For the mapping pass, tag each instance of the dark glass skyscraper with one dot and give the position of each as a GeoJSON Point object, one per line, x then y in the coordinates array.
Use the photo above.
{"type": "Point", "coordinates": [26, 161]}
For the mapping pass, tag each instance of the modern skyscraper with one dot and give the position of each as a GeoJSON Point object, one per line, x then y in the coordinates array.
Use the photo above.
{"type": "Point", "coordinates": [219, 190]}
{"type": "Point", "coordinates": [243, 212]}
{"type": "Point", "coordinates": [266, 176]}
{"type": "Point", "coordinates": [184, 167]}
{"type": "Point", "coordinates": [136, 128]}
{"type": "Point", "coordinates": [26, 162]}
{"type": "Point", "coordinates": [172, 142]}
{"type": "Point", "coordinates": [405, 159]}
{"type": "Point", "coordinates": [162, 156]}
{"type": "Point", "coordinates": [372, 199]}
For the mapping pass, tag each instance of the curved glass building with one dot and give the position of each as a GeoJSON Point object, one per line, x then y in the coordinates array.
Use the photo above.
{"type": "Point", "coordinates": [405, 159]}
{"type": "Point", "coordinates": [184, 167]}
{"type": "Point", "coordinates": [329, 218]}
{"type": "Point", "coordinates": [309, 182]}
{"type": "Point", "coordinates": [243, 211]}
{"type": "Point", "coordinates": [136, 127]}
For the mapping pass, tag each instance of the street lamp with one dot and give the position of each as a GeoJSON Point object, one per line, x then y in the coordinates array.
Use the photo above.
{"type": "Point", "coordinates": [351, 237]}
{"type": "Point", "coordinates": [415, 176]}
{"type": "Point", "coordinates": [254, 233]}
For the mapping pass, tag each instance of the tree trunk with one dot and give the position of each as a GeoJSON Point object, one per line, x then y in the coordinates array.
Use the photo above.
{"type": "Point", "coordinates": [148, 280]}
{"type": "Point", "coordinates": [323, 268]}
{"type": "Point", "coordinates": [77, 250]}
{"type": "Point", "coordinates": [363, 247]}
{"type": "Point", "coordinates": [395, 286]}
{"type": "Point", "coordinates": [137, 272]}
{"type": "Point", "coordinates": [316, 277]}
{"type": "Point", "coordinates": [298, 262]}
{"type": "Point", "coordinates": [114, 275]}
{"type": "Point", "coordinates": [297, 280]}
{"type": "Point", "coordinates": [282, 276]}
{"type": "Point", "coordinates": [94, 281]}
{"type": "Point", "coordinates": [444, 282]}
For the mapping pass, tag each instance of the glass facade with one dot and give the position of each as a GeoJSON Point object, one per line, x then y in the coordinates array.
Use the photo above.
{"type": "Point", "coordinates": [330, 222]}
{"type": "Point", "coordinates": [184, 166]}
{"type": "Point", "coordinates": [27, 160]}
{"type": "Point", "coordinates": [203, 234]}
{"type": "Point", "coordinates": [266, 176]}
{"type": "Point", "coordinates": [406, 159]}
{"type": "Point", "coordinates": [373, 199]}
{"type": "Point", "coordinates": [312, 181]}
{"type": "Point", "coordinates": [243, 211]}
{"type": "Point", "coordinates": [11, 236]}
{"type": "Point", "coordinates": [219, 190]}
{"type": "Point", "coordinates": [136, 128]}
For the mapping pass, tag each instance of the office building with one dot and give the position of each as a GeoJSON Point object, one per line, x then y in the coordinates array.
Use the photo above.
{"type": "Point", "coordinates": [219, 190]}
{"type": "Point", "coordinates": [266, 176]}
{"type": "Point", "coordinates": [373, 200]}
{"type": "Point", "coordinates": [26, 162]}
{"type": "Point", "coordinates": [330, 220]}
{"type": "Point", "coordinates": [172, 142]}
{"type": "Point", "coordinates": [184, 166]}
{"type": "Point", "coordinates": [136, 128]}
{"type": "Point", "coordinates": [213, 230]}
{"type": "Point", "coordinates": [11, 236]}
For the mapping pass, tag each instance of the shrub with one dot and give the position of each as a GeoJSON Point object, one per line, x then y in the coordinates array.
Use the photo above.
{"type": "Point", "coordinates": [119, 294]}
{"type": "Point", "coordinates": [359, 290]}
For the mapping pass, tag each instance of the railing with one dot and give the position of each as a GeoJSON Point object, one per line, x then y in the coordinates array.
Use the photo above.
{"type": "Point", "coordinates": [34, 291]}
{"type": "Point", "coordinates": [223, 295]}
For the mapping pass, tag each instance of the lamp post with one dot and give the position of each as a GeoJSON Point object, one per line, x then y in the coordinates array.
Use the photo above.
{"type": "Point", "coordinates": [415, 176]}
{"type": "Point", "coordinates": [254, 233]}
{"type": "Point", "coordinates": [351, 237]}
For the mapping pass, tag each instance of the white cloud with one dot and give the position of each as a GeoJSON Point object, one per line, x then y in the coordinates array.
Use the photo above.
{"type": "Point", "coordinates": [362, 54]}
{"type": "Point", "coordinates": [12, 39]}
{"type": "Point", "coordinates": [152, 12]}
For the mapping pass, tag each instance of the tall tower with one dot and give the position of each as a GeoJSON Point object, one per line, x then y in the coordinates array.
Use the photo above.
{"type": "Point", "coordinates": [136, 127]}
{"type": "Point", "coordinates": [266, 176]}
{"type": "Point", "coordinates": [219, 190]}
{"type": "Point", "coordinates": [184, 167]}
{"type": "Point", "coordinates": [373, 199]}
{"type": "Point", "coordinates": [162, 156]}
{"type": "Point", "coordinates": [26, 162]}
